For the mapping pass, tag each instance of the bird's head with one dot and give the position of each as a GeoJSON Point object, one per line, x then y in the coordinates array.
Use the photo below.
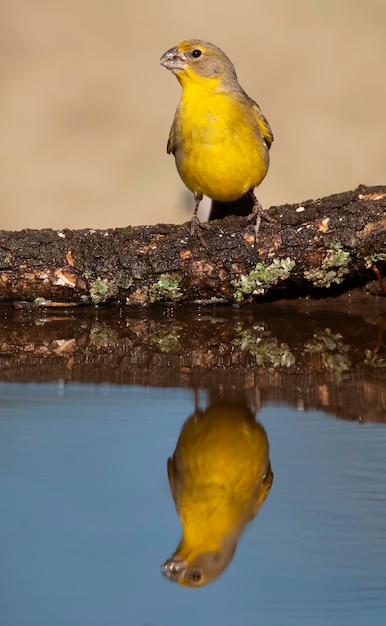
{"type": "Point", "coordinates": [194, 59]}
{"type": "Point", "coordinates": [202, 569]}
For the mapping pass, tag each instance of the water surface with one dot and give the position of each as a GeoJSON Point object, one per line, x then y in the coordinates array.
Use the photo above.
{"type": "Point", "coordinates": [87, 515]}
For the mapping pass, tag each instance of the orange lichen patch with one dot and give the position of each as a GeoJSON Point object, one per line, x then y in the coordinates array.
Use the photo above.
{"type": "Point", "coordinates": [324, 225]}
{"type": "Point", "coordinates": [249, 238]}
{"type": "Point", "coordinates": [150, 246]}
{"type": "Point", "coordinates": [64, 279]}
{"type": "Point", "coordinates": [315, 257]}
{"type": "Point", "coordinates": [223, 275]}
{"type": "Point", "coordinates": [276, 242]}
{"type": "Point", "coordinates": [70, 258]}
{"type": "Point", "coordinates": [185, 254]}
{"type": "Point", "coordinates": [153, 245]}
{"type": "Point", "coordinates": [42, 275]}
{"type": "Point", "coordinates": [370, 227]}
{"type": "Point", "coordinates": [140, 296]}
{"type": "Point", "coordinates": [30, 276]}
{"type": "Point", "coordinates": [200, 268]}
{"type": "Point", "coordinates": [376, 195]}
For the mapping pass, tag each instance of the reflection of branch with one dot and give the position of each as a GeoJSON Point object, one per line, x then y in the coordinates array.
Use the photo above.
{"type": "Point", "coordinates": [320, 246]}
{"type": "Point", "coordinates": [379, 277]}
{"type": "Point", "coordinates": [324, 360]}
{"type": "Point", "coordinates": [267, 350]}
{"type": "Point", "coordinates": [380, 335]}
{"type": "Point", "coordinates": [334, 354]}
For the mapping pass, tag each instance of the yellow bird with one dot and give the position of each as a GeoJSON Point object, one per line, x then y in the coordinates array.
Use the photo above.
{"type": "Point", "coordinates": [219, 476]}
{"type": "Point", "coordinates": [219, 136]}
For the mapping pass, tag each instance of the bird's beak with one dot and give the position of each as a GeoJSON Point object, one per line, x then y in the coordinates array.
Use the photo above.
{"type": "Point", "coordinates": [173, 568]}
{"type": "Point", "coordinates": [174, 60]}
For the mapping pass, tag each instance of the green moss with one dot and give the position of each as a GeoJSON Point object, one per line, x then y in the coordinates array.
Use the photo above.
{"type": "Point", "coordinates": [262, 277]}
{"type": "Point", "coordinates": [332, 270]}
{"type": "Point", "coordinates": [102, 290]}
{"type": "Point", "coordinates": [167, 288]}
{"type": "Point", "coordinates": [371, 260]}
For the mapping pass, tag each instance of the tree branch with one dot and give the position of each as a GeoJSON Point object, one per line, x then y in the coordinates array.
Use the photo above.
{"type": "Point", "coordinates": [315, 248]}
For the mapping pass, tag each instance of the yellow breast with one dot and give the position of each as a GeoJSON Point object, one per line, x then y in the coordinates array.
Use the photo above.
{"type": "Point", "coordinates": [219, 148]}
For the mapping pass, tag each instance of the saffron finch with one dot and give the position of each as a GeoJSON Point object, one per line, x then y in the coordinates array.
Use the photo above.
{"type": "Point", "coordinates": [219, 137]}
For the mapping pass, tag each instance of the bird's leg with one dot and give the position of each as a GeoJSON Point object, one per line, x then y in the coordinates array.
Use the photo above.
{"type": "Point", "coordinates": [257, 213]}
{"type": "Point", "coordinates": [195, 222]}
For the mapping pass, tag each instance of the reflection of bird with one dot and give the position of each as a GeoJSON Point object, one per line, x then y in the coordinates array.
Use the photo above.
{"type": "Point", "coordinates": [219, 476]}
{"type": "Point", "coordinates": [219, 137]}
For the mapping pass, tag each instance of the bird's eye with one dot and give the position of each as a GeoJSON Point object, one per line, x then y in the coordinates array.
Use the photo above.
{"type": "Point", "coordinates": [196, 53]}
{"type": "Point", "coordinates": [196, 576]}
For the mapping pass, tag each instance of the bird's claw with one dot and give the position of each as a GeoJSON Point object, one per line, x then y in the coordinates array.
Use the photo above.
{"type": "Point", "coordinates": [257, 213]}
{"type": "Point", "coordinates": [196, 227]}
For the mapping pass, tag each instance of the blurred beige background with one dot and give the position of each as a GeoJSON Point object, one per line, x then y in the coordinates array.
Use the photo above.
{"type": "Point", "coordinates": [85, 107]}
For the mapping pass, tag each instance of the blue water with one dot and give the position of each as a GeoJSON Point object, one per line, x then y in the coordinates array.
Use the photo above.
{"type": "Point", "coordinates": [87, 517]}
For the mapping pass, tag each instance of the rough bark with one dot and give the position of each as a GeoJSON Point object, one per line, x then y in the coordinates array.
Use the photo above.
{"type": "Point", "coordinates": [316, 247]}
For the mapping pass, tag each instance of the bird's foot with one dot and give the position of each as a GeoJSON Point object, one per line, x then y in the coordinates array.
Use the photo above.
{"type": "Point", "coordinates": [196, 228]}
{"type": "Point", "coordinates": [256, 214]}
